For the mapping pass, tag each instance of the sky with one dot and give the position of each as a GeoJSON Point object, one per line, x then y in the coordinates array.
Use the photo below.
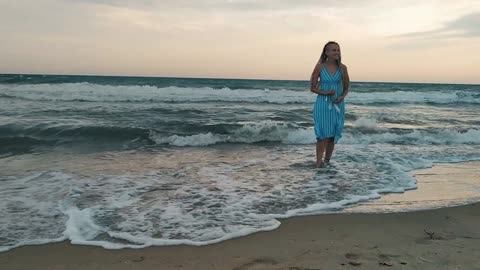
{"type": "Point", "coordinates": [380, 40]}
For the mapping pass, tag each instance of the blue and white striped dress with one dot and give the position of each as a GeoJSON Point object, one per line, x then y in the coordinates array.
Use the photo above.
{"type": "Point", "coordinates": [328, 117]}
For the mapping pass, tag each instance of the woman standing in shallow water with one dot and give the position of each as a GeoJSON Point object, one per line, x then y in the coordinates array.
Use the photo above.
{"type": "Point", "coordinates": [330, 81]}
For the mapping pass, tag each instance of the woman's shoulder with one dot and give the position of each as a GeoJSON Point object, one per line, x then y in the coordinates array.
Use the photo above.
{"type": "Point", "coordinates": [320, 63]}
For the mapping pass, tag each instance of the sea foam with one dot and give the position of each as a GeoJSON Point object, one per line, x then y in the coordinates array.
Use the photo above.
{"type": "Point", "coordinates": [135, 93]}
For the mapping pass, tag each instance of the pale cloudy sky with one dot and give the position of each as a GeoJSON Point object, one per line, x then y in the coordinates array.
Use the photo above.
{"type": "Point", "coordinates": [381, 40]}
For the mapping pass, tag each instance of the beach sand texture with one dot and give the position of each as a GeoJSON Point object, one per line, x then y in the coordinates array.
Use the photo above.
{"type": "Point", "coordinates": [445, 238]}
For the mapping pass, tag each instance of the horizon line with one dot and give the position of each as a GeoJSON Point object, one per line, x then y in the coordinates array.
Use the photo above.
{"type": "Point", "coordinates": [223, 78]}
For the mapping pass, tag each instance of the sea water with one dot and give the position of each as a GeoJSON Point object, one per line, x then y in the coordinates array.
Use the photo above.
{"type": "Point", "coordinates": [133, 162]}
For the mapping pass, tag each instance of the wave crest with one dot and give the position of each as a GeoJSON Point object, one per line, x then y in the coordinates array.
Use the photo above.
{"type": "Point", "coordinates": [137, 93]}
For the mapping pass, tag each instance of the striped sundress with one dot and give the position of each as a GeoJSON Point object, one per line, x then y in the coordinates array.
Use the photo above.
{"type": "Point", "coordinates": [328, 117]}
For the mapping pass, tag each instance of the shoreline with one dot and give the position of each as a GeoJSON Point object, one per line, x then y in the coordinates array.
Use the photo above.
{"type": "Point", "coordinates": [435, 189]}
{"type": "Point", "coordinates": [443, 238]}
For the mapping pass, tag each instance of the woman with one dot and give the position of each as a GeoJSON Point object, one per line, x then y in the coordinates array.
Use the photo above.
{"type": "Point", "coordinates": [330, 81]}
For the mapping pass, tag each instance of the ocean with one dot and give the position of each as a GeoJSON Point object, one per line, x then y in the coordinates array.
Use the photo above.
{"type": "Point", "coordinates": [133, 162]}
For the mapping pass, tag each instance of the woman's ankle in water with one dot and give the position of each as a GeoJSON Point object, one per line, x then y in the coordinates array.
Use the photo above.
{"type": "Point", "coordinates": [320, 164]}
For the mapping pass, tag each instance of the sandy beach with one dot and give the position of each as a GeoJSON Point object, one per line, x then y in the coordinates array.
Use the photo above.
{"type": "Point", "coordinates": [442, 238]}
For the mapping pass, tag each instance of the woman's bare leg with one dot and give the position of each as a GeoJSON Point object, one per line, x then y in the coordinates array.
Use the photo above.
{"type": "Point", "coordinates": [320, 150]}
{"type": "Point", "coordinates": [330, 145]}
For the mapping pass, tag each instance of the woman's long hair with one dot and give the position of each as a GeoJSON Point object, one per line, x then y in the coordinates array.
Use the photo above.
{"type": "Point", "coordinates": [323, 58]}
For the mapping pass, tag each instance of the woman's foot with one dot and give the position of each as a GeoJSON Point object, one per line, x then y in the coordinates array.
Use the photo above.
{"type": "Point", "coordinates": [321, 164]}
{"type": "Point", "coordinates": [327, 161]}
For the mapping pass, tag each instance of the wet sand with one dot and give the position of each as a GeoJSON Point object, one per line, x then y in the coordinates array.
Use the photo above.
{"type": "Point", "coordinates": [441, 186]}
{"type": "Point", "coordinates": [442, 238]}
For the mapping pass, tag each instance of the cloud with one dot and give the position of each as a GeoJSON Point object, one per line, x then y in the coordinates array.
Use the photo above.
{"type": "Point", "coordinates": [233, 5]}
{"type": "Point", "coordinates": [36, 19]}
{"type": "Point", "coordinates": [139, 4]}
{"type": "Point", "coordinates": [467, 26]}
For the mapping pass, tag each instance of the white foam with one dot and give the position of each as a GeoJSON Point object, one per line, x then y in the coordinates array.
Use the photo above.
{"type": "Point", "coordinates": [272, 131]}
{"type": "Point", "coordinates": [417, 137]}
{"type": "Point", "coordinates": [29, 207]}
{"type": "Point", "coordinates": [438, 97]}
{"type": "Point", "coordinates": [122, 93]}
{"type": "Point", "coordinates": [318, 208]}
{"type": "Point", "coordinates": [80, 226]}
{"type": "Point", "coordinates": [213, 233]}
{"type": "Point", "coordinates": [202, 139]}
{"type": "Point", "coordinates": [198, 197]}
{"type": "Point", "coordinates": [250, 132]}
{"type": "Point", "coordinates": [300, 136]}
{"type": "Point", "coordinates": [366, 123]}
{"type": "Point", "coordinates": [136, 93]}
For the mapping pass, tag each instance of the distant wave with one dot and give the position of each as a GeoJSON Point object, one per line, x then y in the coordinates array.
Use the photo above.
{"type": "Point", "coordinates": [266, 131]}
{"type": "Point", "coordinates": [106, 93]}
{"type": "Point", "coordinates": [417, 137]}
{"type": "Point", "coordinates": [124, 93]}
{"type": "Point", "coordinates": [17, 138]}
{"type": "Point", "coordinates": [21, 144]}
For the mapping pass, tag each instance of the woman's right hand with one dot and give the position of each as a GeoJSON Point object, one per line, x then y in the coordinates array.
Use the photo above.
{"type": "Point", "coordinates": [330, 92]}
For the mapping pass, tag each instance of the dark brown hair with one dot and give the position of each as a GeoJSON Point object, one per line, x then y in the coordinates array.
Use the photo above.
{"type": "Point", "coordinates": [323, 57]}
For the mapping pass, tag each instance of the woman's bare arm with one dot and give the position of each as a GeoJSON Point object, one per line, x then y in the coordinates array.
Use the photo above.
{"type": "Point", "coordinates": [314, 81]}
{"type": "Point", "coordinates": [346, 83]}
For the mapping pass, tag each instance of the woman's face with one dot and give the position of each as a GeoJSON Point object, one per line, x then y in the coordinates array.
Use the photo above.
{"type": "Point", "coordinates": [333, 51]}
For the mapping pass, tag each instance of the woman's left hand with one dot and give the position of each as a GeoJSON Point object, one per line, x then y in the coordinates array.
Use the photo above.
{"type": "Point", "coordinates": [338, 100]}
